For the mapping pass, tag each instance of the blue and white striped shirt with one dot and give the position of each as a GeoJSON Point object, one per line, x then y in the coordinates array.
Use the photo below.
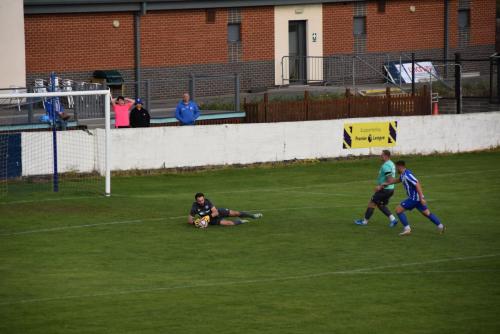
{"type": "Point", "coordinates": [410, 183]}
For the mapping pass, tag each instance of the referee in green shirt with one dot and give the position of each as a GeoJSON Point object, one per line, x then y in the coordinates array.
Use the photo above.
{"type": "Point", "coordinates": [381, 197]}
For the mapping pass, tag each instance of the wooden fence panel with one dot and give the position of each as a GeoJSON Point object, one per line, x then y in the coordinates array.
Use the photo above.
{"type": "Point", "coordinates": [288, 111]}
{"type": "Point", "coordinates": [328, 109]}
{"type": "Point", "coordinates": [368, 107]}
{"type": "Point", "coordinates": [423, 105]}
{"type": "Point", "coordinates": [348, 107]}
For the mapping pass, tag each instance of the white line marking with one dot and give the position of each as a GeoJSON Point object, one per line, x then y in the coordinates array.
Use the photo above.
{"type": "Point", "coordinates": [481, 171]}
{"type": "Point", "coordinates": [245, 190]}
{"type": "Point", "coordinates": [412, 264]}
{"type": "Point", "coordinates": [138, 221]}
{"type": "Point", "coordinates": [262, 190]}
{"type": "Point", "coordinates": [48, 200]}
{"type": "Point", "coordinates": [309, 207]}
{"type": "Point", "coordinates": [333, 193]}
{"type": "Point", "coordinates": [61, 228]}
{"type": "Point", "coordinates": [464, 271]}
{"type": "Point", "coordinates": [361, 271]}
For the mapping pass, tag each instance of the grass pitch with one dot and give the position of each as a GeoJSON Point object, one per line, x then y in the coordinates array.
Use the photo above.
{"type": "Point", "coordinates": [130, 263]}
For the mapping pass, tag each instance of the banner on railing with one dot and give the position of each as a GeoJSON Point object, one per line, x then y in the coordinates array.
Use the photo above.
{"type": "Point", "coordinates": [373, 134]}
{"type": "Point", "coordinates": [424, 71]}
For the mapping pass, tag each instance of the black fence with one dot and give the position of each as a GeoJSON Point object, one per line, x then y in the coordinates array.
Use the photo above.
{"type": "Point", "coordinates": [170, 90]}
{"type": "Point", "coordinates": [456, 78]}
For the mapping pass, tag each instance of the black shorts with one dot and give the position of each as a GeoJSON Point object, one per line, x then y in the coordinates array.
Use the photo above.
{"type": "Point", "coordinates": [223, 213]}
{"type": "Point", "coordinates": [382, 197]}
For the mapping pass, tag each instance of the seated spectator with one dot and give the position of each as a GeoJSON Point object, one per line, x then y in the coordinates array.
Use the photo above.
{"type": "Point", "coordinates": [55, 110]}
{"type": "Point", "coordinates": [139, 117]}
{"type": "Point", "coordinates": [187, 111]}
{"type": "Point", "coordinates": [121, 108]}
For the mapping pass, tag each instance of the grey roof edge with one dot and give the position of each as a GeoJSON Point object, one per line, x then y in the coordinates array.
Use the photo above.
{"type": "Point", "coordinates": [102, 6]}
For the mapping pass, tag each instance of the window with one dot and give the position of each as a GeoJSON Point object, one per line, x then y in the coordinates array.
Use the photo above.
{"type": "Point", "coordinates": [210, 15]}
{"type": "Point", "coordinates": [381, 6]}
{"type": "Point", "coordinates": [359, 25]}
{"type": "Point", "coordinates": [464, 18]}
{"type": "Point", "coordinates": [234, 32]}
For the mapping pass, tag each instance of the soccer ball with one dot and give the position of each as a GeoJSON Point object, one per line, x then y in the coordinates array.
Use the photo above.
{"type": "Point", "coordinates": [202, 222]}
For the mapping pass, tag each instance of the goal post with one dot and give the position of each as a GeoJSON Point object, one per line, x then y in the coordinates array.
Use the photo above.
{"type": "Point", "coordinates": [107, 142]}
{"type": "Point", "coordinates": [36, 134]}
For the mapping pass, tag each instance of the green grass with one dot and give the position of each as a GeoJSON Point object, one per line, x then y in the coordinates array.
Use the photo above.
{"type": "Point", "coordinates": [304, 268]}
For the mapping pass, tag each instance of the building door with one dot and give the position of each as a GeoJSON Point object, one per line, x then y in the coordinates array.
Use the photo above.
{"type": "Point", "coordinates": [297, 46]}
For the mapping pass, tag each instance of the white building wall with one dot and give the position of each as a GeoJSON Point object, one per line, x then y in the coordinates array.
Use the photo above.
{"type": "Point", "coordinates": [313, 14]}
{"type": "Point", "coordinates": [12, 55]}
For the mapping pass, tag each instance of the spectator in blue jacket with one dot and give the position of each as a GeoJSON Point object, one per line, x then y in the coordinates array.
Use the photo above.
{"type": "Point", "coordinates": [187, 111]}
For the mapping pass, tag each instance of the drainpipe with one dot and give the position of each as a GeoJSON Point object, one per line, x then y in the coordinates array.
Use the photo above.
{"type": "Point", "coordinates": [446, 42]}
{"type": "Point", "coordinates": [137, 44]}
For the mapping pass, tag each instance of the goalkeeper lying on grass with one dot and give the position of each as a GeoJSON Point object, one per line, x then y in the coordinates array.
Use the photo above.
{"type": "Point", "coordinates": [208, 213]}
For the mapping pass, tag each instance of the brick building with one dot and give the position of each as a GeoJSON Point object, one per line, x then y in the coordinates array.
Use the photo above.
{"type": "Point", "coordinates": [258, 39]}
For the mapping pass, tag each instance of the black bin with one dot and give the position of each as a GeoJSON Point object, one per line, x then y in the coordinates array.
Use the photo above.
{"type": "Point", "coordinates": [109, 77]}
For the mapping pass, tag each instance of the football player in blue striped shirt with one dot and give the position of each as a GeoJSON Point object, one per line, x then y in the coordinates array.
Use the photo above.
{"type": "Point", "coordinates": [415, 198]}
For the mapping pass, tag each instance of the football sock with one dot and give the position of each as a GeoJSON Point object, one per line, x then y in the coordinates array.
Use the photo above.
{"type": "Point", "coordinates": [385, 210]}
{"type": "Point", "coordinates": [245, 214]}
{"type": "Point", "coordinates": [403, 219]}
{"type": "Point", "coordinates": [369, 213]}
{"type": "Point", "coordinates": [392, 218]}
{"type": "Point", "coordinates": [432, 217]}
{"type": "Point", "coordinates": [238, 222]}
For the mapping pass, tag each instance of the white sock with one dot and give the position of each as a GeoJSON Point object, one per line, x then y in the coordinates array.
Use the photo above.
{"type": "Point", "coordinates": [392, 218]}
{"type": "Point", "coordinates": [440, 226]}
{"type": "Point", "coordinates": [365, 221]}
{"type": "Point", "coordinates": [407, 227]}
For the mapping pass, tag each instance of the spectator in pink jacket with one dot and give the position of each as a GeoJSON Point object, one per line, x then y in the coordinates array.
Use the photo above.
{"type": "Point", "coordinates": [121, 108]}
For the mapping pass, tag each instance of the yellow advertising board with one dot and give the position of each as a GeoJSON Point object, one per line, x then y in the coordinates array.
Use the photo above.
{"type": "Point", "coordinates": [374, 134]}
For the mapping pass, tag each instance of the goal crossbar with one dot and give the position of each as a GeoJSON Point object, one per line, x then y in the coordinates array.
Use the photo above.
{"type": "Point", "coordinates": [53, 94]}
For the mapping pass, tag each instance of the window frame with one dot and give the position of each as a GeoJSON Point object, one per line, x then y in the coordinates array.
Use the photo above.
{"type": "Point", "coordinates": [210, 15]}
{"type": "Point", "coordinates": [465, 11]}
{"type": "Point", "coordinates": [381, 4]}
{"type": "Point", "coordinates": [363, 18]}
{"type": "Point", "coordinates": [236, 24]}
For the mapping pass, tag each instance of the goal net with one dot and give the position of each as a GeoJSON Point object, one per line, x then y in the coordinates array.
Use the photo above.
{"type": "Point", "coordinates": [54, 139]}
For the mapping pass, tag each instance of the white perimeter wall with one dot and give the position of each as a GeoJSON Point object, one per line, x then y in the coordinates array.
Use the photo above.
{"type": "Point", "coordinates": [266, 142]}
{"type": "Point", "coordinates": [12, 54]}
{"type": "Point", "coordinates": [190, 146]}
{"type": "Point", "coordinates": [313, 14]}
{"type": "Point", "coordinates": [77, 151]}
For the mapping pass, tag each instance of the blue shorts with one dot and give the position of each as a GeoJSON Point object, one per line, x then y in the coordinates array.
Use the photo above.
{"type": "Point", "coordinates": [409, 204]}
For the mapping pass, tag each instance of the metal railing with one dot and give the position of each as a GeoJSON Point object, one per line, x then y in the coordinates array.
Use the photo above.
{"type": "Point", "coordinates": [302, 69]}
{"type": "Point", "coordinates": [197, 85]}
{"type": "Point", "coordinates": [374, 70]}
{"type": "Point", "coordinates": [495, 58]}
{"type": "Point", "coordinates": [90, 107]}
{"type": "Point", "coordinates": [337, 69]}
